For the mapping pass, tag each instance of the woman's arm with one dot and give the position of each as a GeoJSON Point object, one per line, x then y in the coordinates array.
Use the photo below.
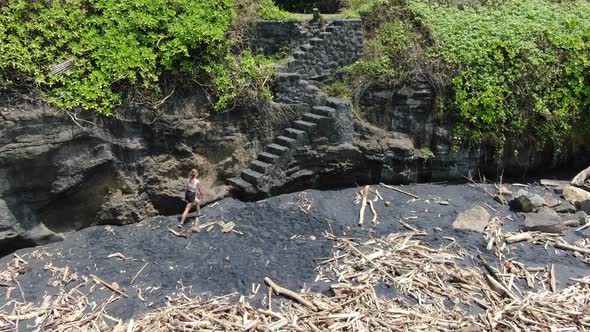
{"type": "Point", "coordinates": [199, 187]}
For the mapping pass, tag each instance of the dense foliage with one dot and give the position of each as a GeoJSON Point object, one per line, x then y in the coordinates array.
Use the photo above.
{"type": "Point", "coordinates": [94, 54]}
{"type": "Point", "coordinates": [509, 68]}
{"type": "Point", "coordinates": [268, 10]}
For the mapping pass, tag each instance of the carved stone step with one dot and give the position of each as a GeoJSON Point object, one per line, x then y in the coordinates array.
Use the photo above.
{"type": "Point", "coordinates": [306, 47]}
{"type": "Point", "coordinates": [295, 133]}
{"type": "Point", "coordinates": [323, 110]}
{"type": "Point", "coordinates": [298, 54]}
{"type": "Point", "coordinates": [239, 183]}
{"type": "Point", "coordinates": [260, 166]}
{"type": "Point", "coordinates": [277, 149]}
{"type": "Point", "coordinates": [316, 41]}
{"type": "Point", "coordinates": [281, 68]}
{"type": "Point", "coordinates": [285, 76]}
{"type": "Point", "coordinates": [304, 125]}
{"type": "Point", "coordinates": [286, 141]}
{"type": "Point", "coordinates": [267, 157]}
{"type": "Point", "coordinates": [251, 175]}
{"type": "Point", "coordinates": [310, 117]}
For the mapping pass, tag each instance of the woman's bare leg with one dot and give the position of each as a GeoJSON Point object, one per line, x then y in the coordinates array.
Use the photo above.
{"type": "Point", "coordinates": [185, 213]}
{"type": "Point", "coordinates": [198, 203]}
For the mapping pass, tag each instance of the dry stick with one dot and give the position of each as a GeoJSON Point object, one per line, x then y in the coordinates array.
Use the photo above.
{"type": "Point", "coordinates": [175, 233]}
{"type": "Point", "coordinates": [552, 283]}
{"type": "Point", "coordinates": [109, 286]}
{"type": "Point", "coordinates": [270, 299]}
{"type": "Point", "coordinates": [138, 272]}
{"type": "Point", "coordinates": [21, 291]}
{"type": "Point", "coordinates": [374, 212]}
{"type": "Point", "coordinates": [498, 281]}
{"type": "Point", "coordinates": [519, 237]}
{"type": "Point", "coordinates": [28, 316]}
{"type": "Point", "coordinates": [399, 190]}
{"type": "Point", "coordinates": [363, 205]}
{"type": "Point", "coordinates": [283, 291]}
{"type": "Point", "coordinates": [571, 247]}
{"type": "Point", "coordinates": [409, 227]}
{"type": "Point", "coordinates": [374, 264]}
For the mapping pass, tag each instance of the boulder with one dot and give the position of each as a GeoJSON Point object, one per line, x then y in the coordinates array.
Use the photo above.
{"type": "Point", "coordinates": [7, 219]}
{"type": "Point", "coordinates": [583, 206]}
{"type": "Point", "coordinates": [581, 217]}
{"type": "Point", "coordinates": [551, 201]}
{"type": "Point", "coordinates": [565, 207]}
{"type": "Point", "coordinates": [475, 219]}
{"type": "Point", "coordinates": [573, 194]}
{"type": "Point", "coordinates": [9, 229]}
{"type": "Point", "coordinates": [12, 233]}
{"type": "Point", "coordinates": [524, 201]}
{"type": "Point", "coordinates": [545, 220]}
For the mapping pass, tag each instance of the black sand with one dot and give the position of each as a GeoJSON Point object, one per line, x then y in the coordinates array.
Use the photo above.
{"type": "Point", "coordinates": [276, 242]}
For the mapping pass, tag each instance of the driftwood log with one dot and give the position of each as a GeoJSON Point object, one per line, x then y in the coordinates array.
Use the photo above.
{"type": "Point", "coordinates": [284, 291]}
{"type": "Point", "coordinates": [582, 180]}
{"type": "Point", "coordinates": [363, 205]}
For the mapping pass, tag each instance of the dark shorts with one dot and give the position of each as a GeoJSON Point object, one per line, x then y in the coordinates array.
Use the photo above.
{"type": "Point", "coordinates": [190, 196]}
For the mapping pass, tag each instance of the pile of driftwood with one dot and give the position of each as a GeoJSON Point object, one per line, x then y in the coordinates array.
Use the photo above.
{"type": "Point", "coordinates": [435, 278]}
{"type": "Point", "coordinates": [437, 289]}
{"type": "Point", "coordinates": [68, 311]}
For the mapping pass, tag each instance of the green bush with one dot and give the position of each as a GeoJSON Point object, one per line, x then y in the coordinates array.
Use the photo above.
{"type": "Point", "coordinates": [524, 67]}
{"type": "Point", "coordinates": [118, 50]}
{"type": "Point", "coordinates": [243, 79]}
{"type": "Point", "coordinates": [513, 69]}
{"type": "Point", "coordinates": [337, 89]}
{"type": "Point", "coordinates": [268, 10]}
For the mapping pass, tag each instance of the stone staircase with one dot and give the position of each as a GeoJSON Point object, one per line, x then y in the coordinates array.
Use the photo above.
{"type": "Point", "coordinates": [301, 132]}
{"type": "Point", "coordinates": [327, 120]}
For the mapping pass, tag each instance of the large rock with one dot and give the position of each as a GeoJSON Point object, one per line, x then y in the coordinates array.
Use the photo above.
{"type": "Point", "coordinates": [475, 219]}
{"type": "Point", "coordinates": [524, 201]}
{"type": "Point", "coordinates": [583, 206]}
{"type": "Point", "coordinates": [9, 229]}
{"type": "Point", "coordinates": [57, 177]}
{"type": "Point", "coordinates": [565, 207]}
{"type": "Point", "coordinates": [551, 201]}
{"type": "Point", "coordinates": [581, 217]}
{"type": "Point", "coordinates": [7, 219]}
{"type": "Point", "coordinates": [13, 233]}
{"type": "Point", "coordinates": [573, 194]}
{"type": "Point", "coordinates": [545, 220]}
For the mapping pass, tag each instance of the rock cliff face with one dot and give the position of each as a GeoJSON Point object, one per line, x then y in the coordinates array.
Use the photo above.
{"type": "Point", "coordinates": [57, 177]}
{"type": "Point", "coordinates": [59, 174]}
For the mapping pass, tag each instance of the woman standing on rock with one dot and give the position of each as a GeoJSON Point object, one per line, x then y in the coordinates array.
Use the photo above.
{"type": "Point", "coordinates": [190, 194]}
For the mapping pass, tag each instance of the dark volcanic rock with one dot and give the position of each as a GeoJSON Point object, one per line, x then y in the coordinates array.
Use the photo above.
{"type": "Point", "coordinates": [56, 176]}
{"type": "Point", "coordinates": [545, 220]}
{"type": "Point", "coordinates": [524, 201]}
{"type": "Point", "coordinates": [583, 206]}
{"type": "Point", "coordinates": [581, 216]}
{"type": "Point", "coordinates": [551, 201]}
{"type": "Point", "coordinates": [475, 219]}
{"type": "Point", "coordinates": [565, 207]}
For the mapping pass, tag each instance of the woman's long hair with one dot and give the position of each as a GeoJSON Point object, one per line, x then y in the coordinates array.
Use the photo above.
{"type": "Point", "coordinates": [193, 174]}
